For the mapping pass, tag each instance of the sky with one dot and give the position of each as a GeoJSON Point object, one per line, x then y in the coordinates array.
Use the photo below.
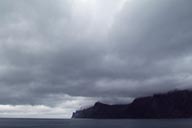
{"type": "Point", "coordinates": [58, 56]}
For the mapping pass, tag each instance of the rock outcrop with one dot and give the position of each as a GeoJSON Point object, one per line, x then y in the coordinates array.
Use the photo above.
{"type": "Point", "coordinates": [175, 104]}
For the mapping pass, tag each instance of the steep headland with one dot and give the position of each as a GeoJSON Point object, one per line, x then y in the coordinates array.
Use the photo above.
{"type": "Point", "coordinates": [175, 104]}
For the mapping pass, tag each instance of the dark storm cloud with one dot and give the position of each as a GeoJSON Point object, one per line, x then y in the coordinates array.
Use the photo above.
{"type": "Point", "coordinates": [49, 49]}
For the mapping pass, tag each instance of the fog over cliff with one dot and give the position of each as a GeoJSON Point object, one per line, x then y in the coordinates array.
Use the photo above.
{"type": "Point", "coordinates": [57, 56]}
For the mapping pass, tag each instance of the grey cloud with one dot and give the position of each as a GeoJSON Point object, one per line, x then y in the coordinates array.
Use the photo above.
{"type": "Point", "coordinates": [48, 50]}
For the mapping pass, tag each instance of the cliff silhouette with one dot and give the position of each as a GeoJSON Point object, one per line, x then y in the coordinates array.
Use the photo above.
{"type": "Point", "coordinates": [174, 104]}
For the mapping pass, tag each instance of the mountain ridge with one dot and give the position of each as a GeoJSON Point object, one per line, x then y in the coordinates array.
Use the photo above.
{"type": "Point", "coordinates": [173, 104]}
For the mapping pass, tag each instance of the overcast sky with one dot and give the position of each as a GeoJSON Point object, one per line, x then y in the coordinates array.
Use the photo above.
{"type": "Point", "coordinates": [57, 56]}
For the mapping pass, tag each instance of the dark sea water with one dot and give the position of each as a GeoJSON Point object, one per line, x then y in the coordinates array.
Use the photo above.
{"type": "Point", "coordinates": [63, 123]}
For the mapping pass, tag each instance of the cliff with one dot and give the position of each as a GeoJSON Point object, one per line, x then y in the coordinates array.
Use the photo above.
{"type": "Point", "coordinates": [175, 104]}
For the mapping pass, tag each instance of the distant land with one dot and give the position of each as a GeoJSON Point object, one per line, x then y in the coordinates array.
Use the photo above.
{"type": "Point", "coordinates": [171, 105]}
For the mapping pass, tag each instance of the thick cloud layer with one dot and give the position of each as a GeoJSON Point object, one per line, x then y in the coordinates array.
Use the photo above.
{"type": "Point", "coordinates": [59, 52]}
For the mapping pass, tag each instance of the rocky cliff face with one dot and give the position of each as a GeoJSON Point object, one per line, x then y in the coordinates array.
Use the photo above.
{"type": "Point", "coordinates": [175, 104]}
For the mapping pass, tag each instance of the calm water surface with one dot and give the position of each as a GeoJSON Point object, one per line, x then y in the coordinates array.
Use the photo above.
{"type": "Point", "coordinates": [63, 123]}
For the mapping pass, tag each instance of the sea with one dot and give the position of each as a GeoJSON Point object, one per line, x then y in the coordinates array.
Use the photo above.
{"type": "Point", "coordinates": [89, 123]}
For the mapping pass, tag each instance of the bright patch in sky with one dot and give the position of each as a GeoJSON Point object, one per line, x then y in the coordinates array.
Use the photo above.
{"type": "Point", "coordinates": [96, 15]}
